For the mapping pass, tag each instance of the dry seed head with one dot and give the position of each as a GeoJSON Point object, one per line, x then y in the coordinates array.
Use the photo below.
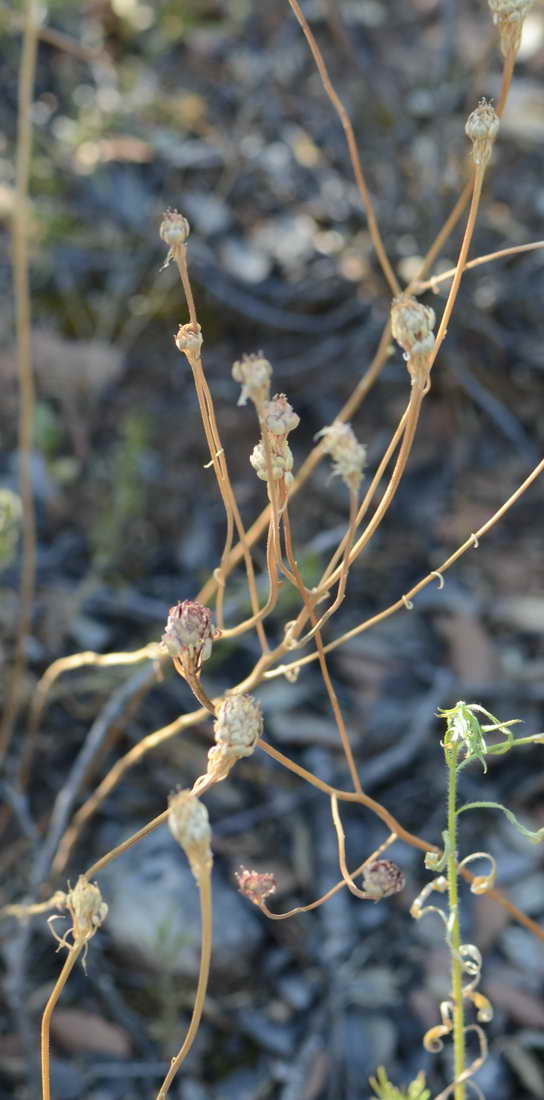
{"type": "Point", "coordinates": [253, 372]}
{"type": "Point", "coordinates": [412, 326]}
{"type": "Point", "coordinates": [279, 416]}
{"type": "Point", "coordinates": [281, 461]}
{"type": "Point", "coordinates": [254, 886]}
{"type": "Point", "coordinates": [189, 632]}
{"type": "Point", "coordinates": [482, 127]}
{"type": "Point", "coordinates": [508, 17]}
{"type": "Point", "coordinates": [189, 340]}
{"type": "Point", "coordinates": [86, 908]}
{"type": "Point", "coordinates": [174, 229]}
{"type": "Point", "coordinates": [382, 878]}
{"type": "Point", "coordinates": [348, 455]}
{"type": "Point", "coordinates": [189, 824]}
{"type": "Point", "coordinates": [239, 724]}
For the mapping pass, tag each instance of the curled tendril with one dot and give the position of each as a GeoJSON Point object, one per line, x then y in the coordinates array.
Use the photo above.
{"type": "Point", "coordinates": [483, 1006]}
{"type": "Point", "coordinates": [469, 1072]}
{"type": "Point", "coordinates": [418, 908]}
{"type": "Point", "coordinates": [481, 883]}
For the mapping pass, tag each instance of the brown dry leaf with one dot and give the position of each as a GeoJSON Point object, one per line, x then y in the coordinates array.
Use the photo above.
{"type": "Point", "coordinates": [77, 1030]}
{"type": "Point", "coordinates": [472, 655]}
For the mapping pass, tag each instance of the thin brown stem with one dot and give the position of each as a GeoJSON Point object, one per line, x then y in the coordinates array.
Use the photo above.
{"type": "Point", "coordinates": [69, 964]}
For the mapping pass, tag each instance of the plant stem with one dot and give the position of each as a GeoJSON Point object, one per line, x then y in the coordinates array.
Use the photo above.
{"type": "Point", "coordinates": [455, 930]}
{"type": "Point", "coordinates": [69, 964]}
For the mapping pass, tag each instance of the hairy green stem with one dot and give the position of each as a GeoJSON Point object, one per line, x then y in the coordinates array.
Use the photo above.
{"type": "Point", "coordinates": [455, 930]}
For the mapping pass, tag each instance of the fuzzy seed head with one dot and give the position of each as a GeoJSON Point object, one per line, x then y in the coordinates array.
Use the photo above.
{"type": "Point", "coordinates": [174, 229]}
{"type": "Point", "coordinates": [189, 632]}
{"type": "Point", "coordinates": [239, 724]}
{"type": "Point", "coordinates": [279, 416]}
{"type": "Point", "coordinates": [254, 886]}
{"type": "Point", "coordinates": [189, 341]}
{"type": "Point", "coordinates": [189, 824]}
{"type": "Point", "coordinates": [482, 127]}
{"type": "Point", "coordinates": [348, 455]}
{"type": "Point", "coordinates": [382, 878]}
{"type": "Point", "coordinates": [281, 461]}
{"type": "Point", "coordinates": [86, 908]}
{"type": "Point", "coordinates": [508, 17]}
{"type": "Point", "coordinates": [253, 372]}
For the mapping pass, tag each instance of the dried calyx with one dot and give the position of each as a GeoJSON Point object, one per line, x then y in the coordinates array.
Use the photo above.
{"type": "Point", "coordinates": [189, 634]}
{"type": "Point", "coordinates": [254, 885]}
{"type": "Point", "coordinates": [348, 455]}
{"type": "Point", "coordinates": [508, 17]}
{"type": "Point", "coordinates": [412, 327]}
{"type": "Point", "coordinates": [482, 127]}
{"type": "Point", "coordinates": [189, 824]}
{"type": "Point", "coordinates": [253, 372]}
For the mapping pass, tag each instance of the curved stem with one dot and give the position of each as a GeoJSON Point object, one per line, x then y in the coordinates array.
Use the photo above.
{"type": "Point", "coordinates": [69, 964]}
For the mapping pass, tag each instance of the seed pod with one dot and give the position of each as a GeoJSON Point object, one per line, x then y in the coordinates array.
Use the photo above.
{"type": "Point", "coordinates": [254, 373]}
{"type": "Point", "coordinates": [412, 327]}
{"type": "Point", "coordinates": [382, 878]}
{"type": "Point", "coordinates": [508, 17]}
{"type": "Point", "coordinates": [482, 127]}
{"type": "Point", "coordinates": [189, 340]}
{"type": "Point", "coordinates": [239, 724]}
{"type": "Point", "coordinates": [189, 633]}
{"type": "Point", "coordinates": [174, 229]}
{"type": "Point", "coordinates": [189, 824]}
{"type": "Point", "coordinates": [348, 455]}
{"type": "Point", "coordinates": [86, 908]}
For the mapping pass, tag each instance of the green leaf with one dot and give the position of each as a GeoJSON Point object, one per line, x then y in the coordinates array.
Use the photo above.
{"type": "Point", "coordinates": [384, 1090]}
{"type": "Point", "coordinates": [534, 836]}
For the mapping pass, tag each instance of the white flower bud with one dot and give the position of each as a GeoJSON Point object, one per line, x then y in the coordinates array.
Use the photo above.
{"type": "Point", "coordinates": [412, 327]}
{"type": "Point", "coordinates": [279, 416]}
{"type": "Point", "coordinates": [174, 229]}
{"type": "Point", "coordinates": [254, 373]}
{"type": "Point", "coordinates": [189, 632]}
{"type": "Point", "coordinates": [347, 453]}
{"type": "Point", "coordinates": [86, 908]}
{"type": "Point", "coordinates": [188, 340]}
{"type": "Point", "coordinates": [482, 127]}
{"type": "Point", "coordinates": [281, 462]}
{"type": "Point", "coordinates": [239, 724]}
{"type": "Point", "coordinates": [189, 824]}
{"type": "Point", "coordinates": [508, 17]}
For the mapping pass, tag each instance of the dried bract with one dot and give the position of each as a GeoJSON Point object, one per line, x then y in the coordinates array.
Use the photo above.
{"type": "Point", "coordinates": [189, 340]}
{"type": "Point", "coordinates": [482, 127]}
{"type": "Point", "coordinates": [189, 824]}
{"type": "Point", "coordinates": [279, 416]}
{"type": "Point", "coordinates": [254, 886]}
{"type": "Point", "coordinates": [253, 372]}
{"type": "Point", "coordinates": [508, 17]}
{"type": "Point", "coordinates": [382, 878]}
{"type": "Point", "coordinates": [348, 455]}
{"type": "Point", "coordinates": [189, 634]}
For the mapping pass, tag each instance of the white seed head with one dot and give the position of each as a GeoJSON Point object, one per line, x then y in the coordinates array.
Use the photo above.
{"type": "Point", "coordinates": [86, 908]}
{"type": "Point", "coordinates": [279, 416]}
{"type": "Point", "coordinates": [412, 327]}
{"type": "Point", "coordinates": [508, 17]}
{"type": "Point", "coordinates": [253, 372]}
{"type": "Point", "coordinates": [189, 632]}
{"type": "Point", "coordinates": [382, 878]}
{"type": "Point", "coordinates": [348, 455]}
{"type": "Point", "coordinates": [239, 724]}
{"type": "Point", "coordinates": [188, 340]}
{"type": "Point", "coordinates": [174, 228]}
{"type": "Point", "coordinates": [482, 127]}
{"type": "Point", "coordinates": [190, 826]}
{"type": "Point", "coordinates": [281, 461]}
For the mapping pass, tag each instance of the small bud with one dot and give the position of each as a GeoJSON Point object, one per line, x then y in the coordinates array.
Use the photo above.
{"type": "Point", "coordinates": [382, 878]}
{"type": "Point", "coordinates": [347, 454]}
{"type": "Point", "coordinates": [189, 633]}
{"type": "Point", "coordinates": [508, 17]}
{"type": "Point", "coordinates": [254, 373]}
{"type": "Point", "coordinates": [482, 127]}
{"type": "Point", "coordinates": [189, 824]}
{"type": "Point", "coordinates": [412, 326]}
{"type": "Point", "coordinates": [281, 461]}
{"type": "Point", "coordinates": [188, 340]}
{"type": "Point", "coordinates": [239, 724]}
{"type": "Point", "coordinates": [254, 886]}
{"type": "Point", "coordinates": [86, 909]}
{"type": "Point", "coordinates": [174, 229]}
{"type": "Point", "coordinates": [279, 416]}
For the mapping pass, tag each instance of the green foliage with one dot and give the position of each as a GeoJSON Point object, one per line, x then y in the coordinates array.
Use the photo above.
{"type": "Point", "coordinates": [384, 1090]}
{"type": "Point", "coordinates": [464, 729]}
{"type": "Point", "coordinates": [535, 836]}
{"type": "Point", "coordinates": [10, 523]}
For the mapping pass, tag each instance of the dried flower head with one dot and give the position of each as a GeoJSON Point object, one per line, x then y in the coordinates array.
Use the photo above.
{"type": "Point", "coordinates": [254, 886]}
{"type": "Point", "coordinates": [482, 127]}
{"type": "Point", "coordinates": [382, 878]}
{"type": "Point", "coordinates": [174, 228]}
{"type": "Point", "coordinates": [348, 455]}
{"type": "Point", "coordinates": [188, 340]}
{"type": "Point", "coordinates": [87, 910]}
{"type": "Point", "coordinates": [508, 17]}
{"type": "Point", "coordinates": [239, 724]}
{"type": "Point", "coordinates": [254, 373]}
{"type": "Point", "coordinates": [279, 416]}
{"type": "Point", "coordinates": [412, 327]}
{"type": "Point", "coordinates": [281, 461]}
{"type": "Point", "coordinates": [189, 824]}
{"type": "Point", "coordinates": [189, 633]}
